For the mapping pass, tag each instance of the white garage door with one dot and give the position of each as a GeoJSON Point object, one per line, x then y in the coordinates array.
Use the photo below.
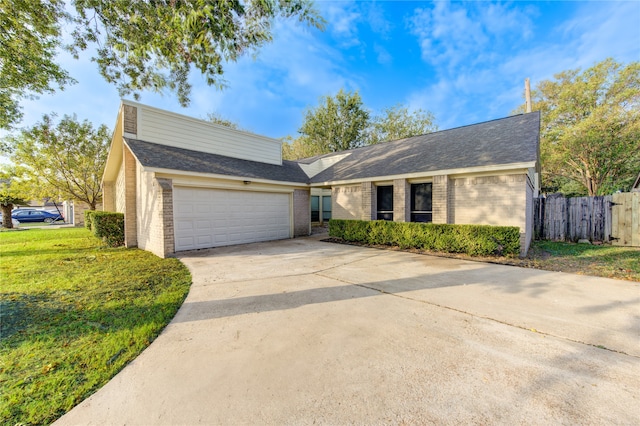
{"type": "Point", "coordinates": [215, 217]}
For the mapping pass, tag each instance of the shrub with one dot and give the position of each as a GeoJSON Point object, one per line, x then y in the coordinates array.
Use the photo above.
{"type": "Point", "coordinates": [109, 227]}
{"type": "Point", "coordinates": [474, 240]}
{"type": "Point", "coordinates": [88, 219]}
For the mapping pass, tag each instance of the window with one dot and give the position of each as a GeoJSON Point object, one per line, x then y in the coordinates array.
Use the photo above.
{"type": "Point", "coordinates": [421, 208]}
{"type": "Point", "coordinates": [315, 208]}
{"type": "Point", "coordinates": [326, 208]}
{"type": "Point", "coordinates": [385, 203]}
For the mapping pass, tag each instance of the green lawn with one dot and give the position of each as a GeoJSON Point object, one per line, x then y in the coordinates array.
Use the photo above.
{"type": "Point", "coordinates": [73, 313]}
{"type": "Point", "coordinates": [604, 260]}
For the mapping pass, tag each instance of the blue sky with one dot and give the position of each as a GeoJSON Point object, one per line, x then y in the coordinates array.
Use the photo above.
{"type": "Point", "coordinates": [465, 62]}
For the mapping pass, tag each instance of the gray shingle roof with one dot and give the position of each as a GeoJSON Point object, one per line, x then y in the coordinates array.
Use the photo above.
{"type": "Point", "coordinates": [508, 140]}
{"type": "Point", "coordinates": [168, 157]}
{"type": "Point", "coordinates": [505, 141]}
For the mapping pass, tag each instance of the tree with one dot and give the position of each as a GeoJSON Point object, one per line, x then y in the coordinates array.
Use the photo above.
{"type": "Point", "coordinates": [397, 122]}
{"type": "Point", "coordinates": [294, 149]}
{"type": "Point", "coordinates": [68, 159]}
{"type": "Point", "coordinates": [591, 127]}
{"type": "Point", "coordinates": [141, 45]}
{"type": "Point", "coordinates": [219, 119]}
{"type": "Point", "coordinates": [337, 124]}
{"type": "Point", "coordinates": [28, 41]}
{"type": "Point", "coordinates": [12, 193]}
{"type": "Point", "coordinates": [342, 122]}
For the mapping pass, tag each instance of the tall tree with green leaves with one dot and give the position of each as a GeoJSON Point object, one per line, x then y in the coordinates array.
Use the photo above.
{"type": "Point", "coordinates": [398, 122]}
{"type": "Point", "coordinates": [337, 124]}
{"type": "Point", "coordinates": [342, 122]}
{"type": "Point", "coordinates": [29, 38]}
{"type": "Point", "coordinates": [295, 149]}
{"type": "Point", "coordinates": [141, 45]}
{"type": "Point", "coordinates": [67, 159]}
{"type": "Point", "coordinates": [590, 131]}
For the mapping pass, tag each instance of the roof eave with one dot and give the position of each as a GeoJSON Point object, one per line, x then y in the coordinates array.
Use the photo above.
{"type": "Point", "coordinates": [220, 176]}
{"type": "Point", "coordinates": [417, 175]}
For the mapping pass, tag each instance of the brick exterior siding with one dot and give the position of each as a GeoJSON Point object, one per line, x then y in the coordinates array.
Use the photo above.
{"type": "Point", "coordinates": [156, 211]}
{"type": "Point", "coordinates": [504, 200]}
{"type": "Point", "coordinates": [130, 211]}
{"type": "Point", "coordinates": [401, 200]}
{"type": "Point", "coordinates": [490, 200]}
{"type": "Point", "coordinates": [369, 201]}
{"type": "Point", "coordinates": [108, 197]}
{"type": "Point", "coordinates": [346, 202]}
{"type": "Point", "coordinates": [301, 212]}
{"type": "Point", "coordinates": [440, 199]}
{"type": "Point", "coordinates": [167, 242]}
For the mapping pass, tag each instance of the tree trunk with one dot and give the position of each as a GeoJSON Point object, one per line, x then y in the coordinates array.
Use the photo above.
{"type": "Point", "coordinates": [6, 216]}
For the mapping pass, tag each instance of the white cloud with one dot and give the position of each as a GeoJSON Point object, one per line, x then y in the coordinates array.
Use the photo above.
{"type": "Point", "coordinates": [268, 93]}
{"type": "Point", "coordinates": [610, 29]}
{"type": "Point", "coordinates": [384, 57]}
{"type": "Point", "coordinates": [489, 83]}
{"type": "Point", "coordinates": [467, 46]}
{"type": "Point", "coordinates": [342, 21]}
{"type": "Point", "coordinates": [376, 19]}
{"type": "Point", "coordinates": [446, 34]}
{"type": "Point", "coordinates": [451, 34]}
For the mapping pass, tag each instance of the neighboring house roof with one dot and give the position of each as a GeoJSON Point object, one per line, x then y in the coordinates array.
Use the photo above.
{"type": "Point", "coordinates": [504, 141]}
{"type": "Point", "coordinates": [157, 156]}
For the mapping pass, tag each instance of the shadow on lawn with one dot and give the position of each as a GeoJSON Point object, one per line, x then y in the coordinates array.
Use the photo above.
{"type": "Point", "coordinates": [24, 316]}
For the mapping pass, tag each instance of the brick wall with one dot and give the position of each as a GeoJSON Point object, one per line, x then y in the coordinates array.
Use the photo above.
{"type": "Point", "coordinates": [130, 211]}
{"type": "Point", "coordinates": [120, 191]}
{"type": "Point", "coordinates": [166, 213]}
{"type": "Point", "coordinates": [440, 199]}
{"type": "Point", "coordinates": [401, 200]}
{"type": "Point", "coordinates": [108, 196]}
{"type": "Point", "coordinates": [489, 200]}
{"type": "Point", "coordinates": [155, 214]}
{"type": "Point", "coordinates": [369, 200]}
{"type": "Point", "coordinates": [346, 202]}
{"type": "Point", "coordinates": [147, 210]}
{"type": "Point", "coordinates": [301, 212]}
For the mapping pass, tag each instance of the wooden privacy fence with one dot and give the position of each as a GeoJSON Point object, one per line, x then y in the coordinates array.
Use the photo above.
{"type": "Point", "coordinates": [611, 218]}
{"type": "Point", "coordinates": [625, 222]}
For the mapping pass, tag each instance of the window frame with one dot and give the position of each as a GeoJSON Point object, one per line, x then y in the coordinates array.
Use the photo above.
{"type": "Point", "coordinates": [382, 191]}
{"type": "Point", "coordinates": [414, 213]}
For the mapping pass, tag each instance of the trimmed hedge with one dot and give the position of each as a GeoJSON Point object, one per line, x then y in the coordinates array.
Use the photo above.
{"type": "Point", "coordinates": [474, 240]}
{"type": "Point", "coordinates": [108, 226]}
{"type": "Point", "coordinates": [88, 219]}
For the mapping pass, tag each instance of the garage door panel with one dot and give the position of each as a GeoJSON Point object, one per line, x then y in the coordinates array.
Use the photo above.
{"type": "Point", "coordinates": [211, 217]}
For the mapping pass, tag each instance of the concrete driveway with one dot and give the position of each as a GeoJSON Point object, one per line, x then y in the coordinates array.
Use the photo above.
{"type": "Point", "coordinates": [304, 332]}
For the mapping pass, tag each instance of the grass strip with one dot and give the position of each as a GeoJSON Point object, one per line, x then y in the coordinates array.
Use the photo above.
{"type": "Point", "coordinates": [598, 260]}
